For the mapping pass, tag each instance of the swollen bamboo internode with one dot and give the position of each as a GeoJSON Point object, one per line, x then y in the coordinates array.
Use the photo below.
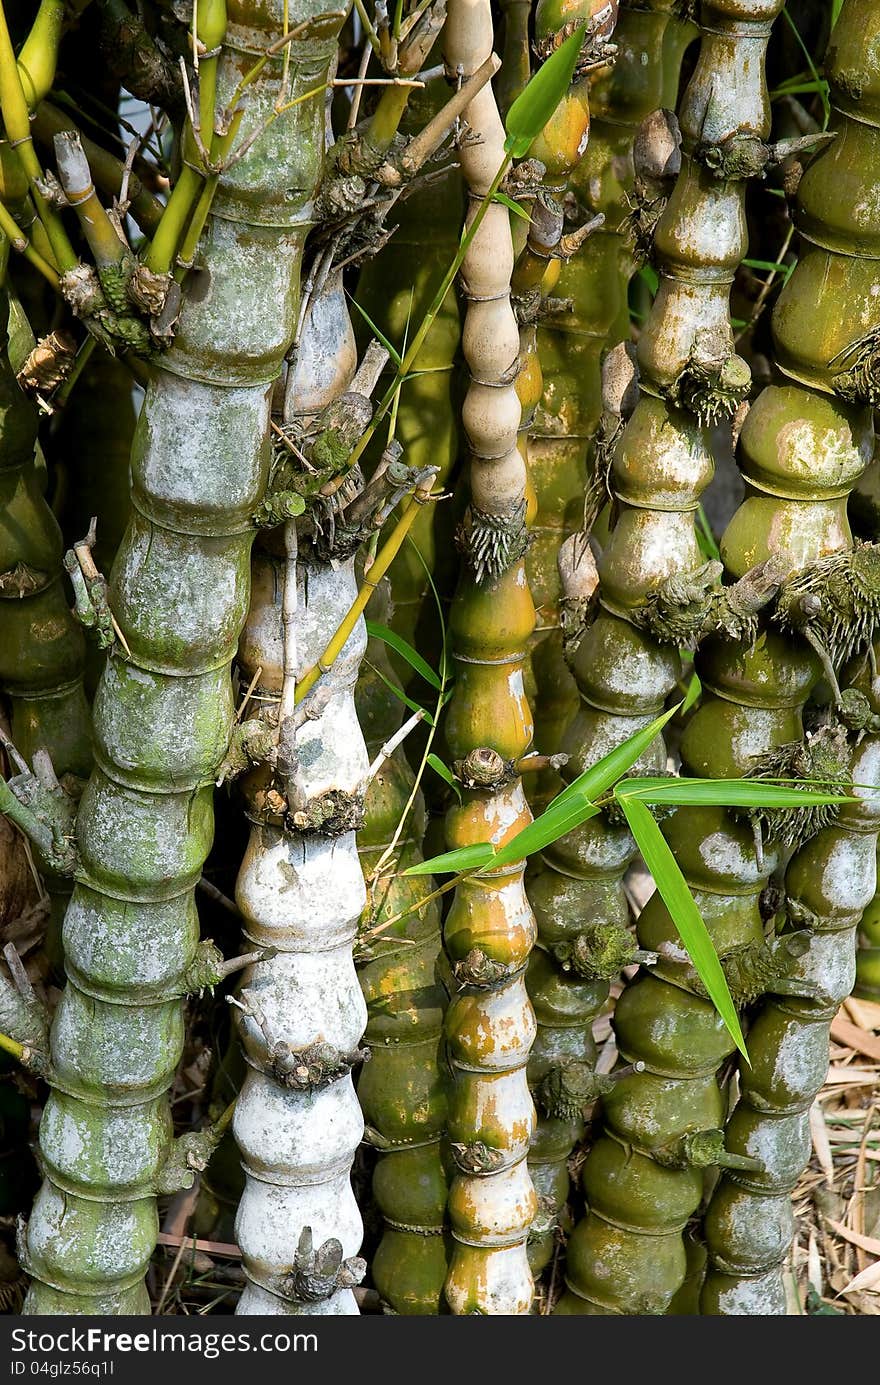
{"type": "Point", "coordinates": [642, 1177]}
{"type": "Point", "coordinates": [490, 1024]}
{"type": "Point", "coordinates": [805, 444]}
{"type": "Point", "coordinates": [301, 892]}
{"type": "Point", "coordinates": [580, 879]}
{"type": "Point", "coordinates": [403, 1089]}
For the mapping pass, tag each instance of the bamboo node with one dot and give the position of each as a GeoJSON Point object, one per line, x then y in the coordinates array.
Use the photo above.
{"type": "Point", "coordinates": [759, 968]}
{"type": "Point", "coordinates": [307, 1069]}
{"type": "Point", "coordinates": [857, 378]}
{"type": "Point", "coordinates": [48, 364]}
{"type": "Point", "coordinates": [480, 971]}
{"type": "Point", "coordinates": [492, 543]}
{"type": "Point", "coordinates": [484, 768]}
{"type": "Point", "coordinates": [599, 952]}
{"type": "Point", "coordinates": [188, 1155]}
{"type": "Point", "coordinates": [822, 760]}
{"type": "Point", "coordinates": [546, 1218]}
{"type": "Point", "coordinates": [330, 815]}
{"type": "Point", "coordinates": [835, 605]}
{"type": "Point", "coordinates": [22, 580]}
{"type": "Point", "coordinates": [597, 48]}
{"type": "Point", "coordinates": [24, 1020]}
{"type": "Point", "coordinates": [568, 1092]}
{"type": "Point", "coordinates": [477, 1157]}
{"type": "Point", "coordinates": [710, 390]}
{"type": "Point", "coordinates": [743, 155]}
{"type": "Point", "coordinates": [317, 1274]}
{"type": "Point", "coordinates": [702, 1149]}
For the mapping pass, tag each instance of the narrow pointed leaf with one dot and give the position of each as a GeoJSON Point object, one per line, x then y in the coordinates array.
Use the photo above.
{"type": "Point", "coordinates": [605, 772]}
{"type": "Point", "coordinates": [685, 915]}
{"type": "Point", "coordinates": [705, 538]}
{"type": "Point", "coordinates": [380, 336]}
{"type": "Point", "coordinates": [511, 206]}
{"type": "Point", "coordinates": [401, 695]}
{"type": "Point", "coordinates": [444, 772]}
{"type": "Point", "coordinates": [726, 793]}
{"type": "Point", "coordinates": [549, 827]}
{"type": "Point", "coordinates": [405, 650]}
{"type": "Point", "coordinates": [695, 691]}
{"type": "Point", "coordinates": [536, 103]}
{"type": "Point", "coordinates": [464, 858]}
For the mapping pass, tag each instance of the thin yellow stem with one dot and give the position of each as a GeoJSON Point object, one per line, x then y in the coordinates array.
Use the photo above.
{"type": "Point", "coordinates": [16, 118]}
{"type": "Point", "coordinates": [383, 561]}
{"type": "Point", "coordinates": [19, 241]}
{"type": "Point", "coordinates": [38, 58]}
{"type": "Point", "coordinates": [13, 1047]}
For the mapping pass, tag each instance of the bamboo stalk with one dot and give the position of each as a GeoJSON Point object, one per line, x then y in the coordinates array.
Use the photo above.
{"type": "Point", "coordinates": [402, 1090]}
{"type": "Point", "coordinates": [301, 891]}
{"type": "Point", "coordinates": [795, 508]}
{"type": "Point", "coordinates": [643, 1177]}
{"type": "Point", "coordinates": [490, 1024]}
{"type": "Point", "coordinates": [571, 886]}
{"type": "Point", "coordinates": [179, 591]}
{"type": "Point", "coordinates": [43, 650]}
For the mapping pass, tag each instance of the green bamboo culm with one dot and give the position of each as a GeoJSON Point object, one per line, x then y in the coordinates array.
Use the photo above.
{"type": "Point", "coordinates": [179, 591]}
{"type": "Point", "coordinates": [42, 648]}
{"type": "Point", "coordinates": [643, 1177]}
{"type": "Point", "coordinates": [577, 881]}
{"type": "Point", "coordinates": [588, 312]}
{"type": "Point", "coordinates": [825, 326]}
{"type": "Point", "coordinates": [555, 491]}
{"type": "Point", "coordinates": [559, 147]}
{"type": "Point", "coordinates": [403, 1089]}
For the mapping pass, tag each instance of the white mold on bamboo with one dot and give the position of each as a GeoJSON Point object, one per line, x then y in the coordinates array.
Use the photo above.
{"type": "Point", "coordinates": [297, 1120]}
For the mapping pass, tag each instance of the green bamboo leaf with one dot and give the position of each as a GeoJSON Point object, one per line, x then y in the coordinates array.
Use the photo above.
{"type": "Point", "coordinates": [464, 858]}
{"type": "Point", "coordinates": [405, 650]}
{"type": "Point", "coordinates": [605, 772]}
{"type": "Point", "coordinates": [695, 690]}
{"type": "Point", "coordinates": [822, 86]}
{"type": "Point", "coordinates": [795, 86]}
{"type": "Point", "coordinates": [686, 916]}
{"type": "Point", "coordinates": [380, 336]}
{"type": "Point", "coordinates": [705, 538]}
{"type": "Point", "coordinates": [511, 206]}
{"type": "Point", "coordinates": [400, 694]}
{"type": "Point", "coordinates": [649, 275]}
{"type": "Point", "coordinates": [726, 793]}
{"type": "Point", "coordinates": [444, 772]}
{"type": "Point", "coordinates": [836, 7]}
{"type": "Point", "coordinates": [547, 828]}
{"type": "Point", "coordinates": [536, 103]}
{"type": "Point", "coordinates": [772, 266]}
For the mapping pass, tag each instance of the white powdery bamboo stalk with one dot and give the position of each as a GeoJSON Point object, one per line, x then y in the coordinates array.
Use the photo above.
{"type": "Point", "coordinates": [297, 1119]}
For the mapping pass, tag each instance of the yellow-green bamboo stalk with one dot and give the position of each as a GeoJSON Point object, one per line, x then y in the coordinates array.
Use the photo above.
{"type": "Point", "coordinates": [490, 1024]}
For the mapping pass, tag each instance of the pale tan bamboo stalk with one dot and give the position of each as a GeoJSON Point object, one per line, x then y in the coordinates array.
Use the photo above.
{"type": "Point", "coordinates": [490, 929]}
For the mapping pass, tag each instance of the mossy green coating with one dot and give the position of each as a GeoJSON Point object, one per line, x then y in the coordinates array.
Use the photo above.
{"type": "Point", "coordinates": [804, 446]}
{"type": "Point", "coordinates": [403, 1089]}
{"type": "Point", "coordinates": [661, 463]}
{"type": "Point", "coordinates": [179, 590]}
